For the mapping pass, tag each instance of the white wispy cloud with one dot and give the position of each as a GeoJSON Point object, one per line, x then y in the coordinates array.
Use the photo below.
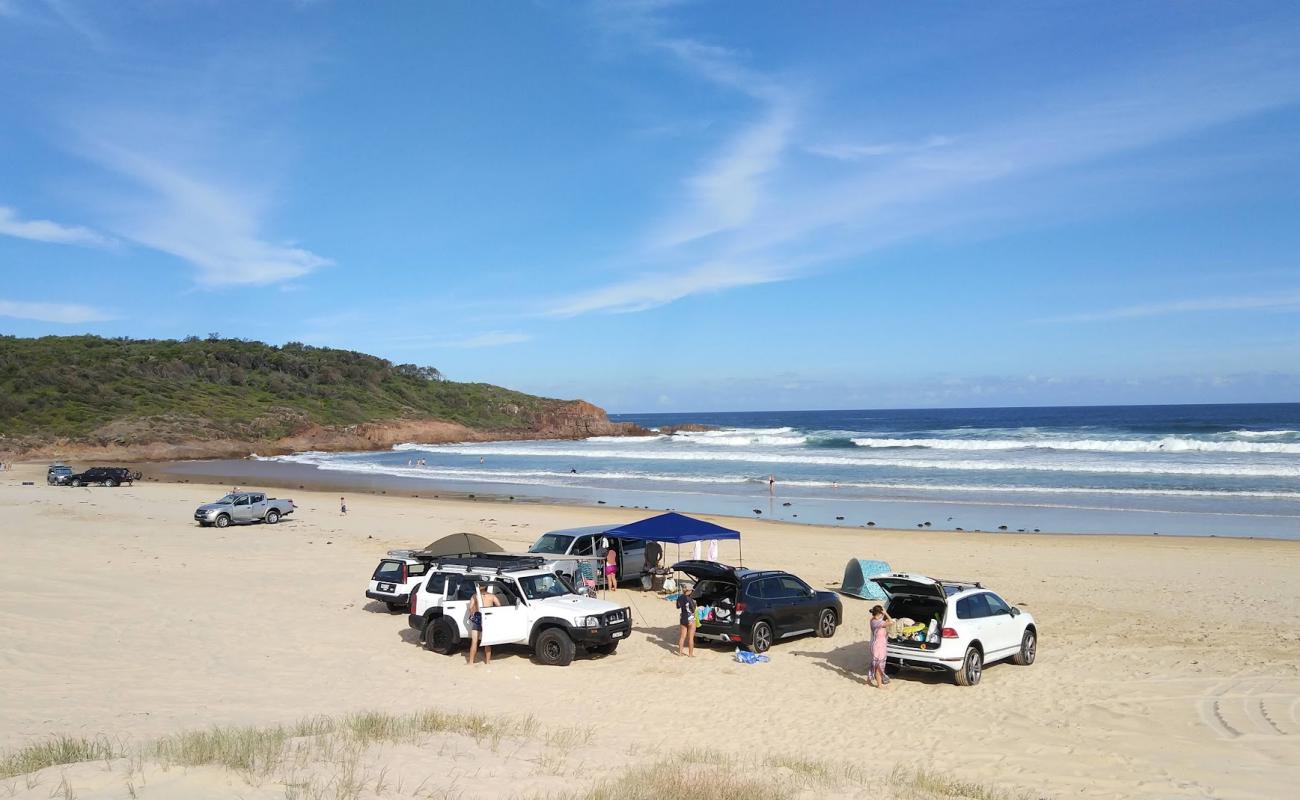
{"type": "Point", "coordinates": [213, 226]}
{"type": "Point", "coordinates": [856, 152]}
{"type": "Point", "coordinates": [487, 339]}
{"type": "Point", "coordinates": [43, 230]}
{"type": "Point", "coordinates": [751, 204]}
{"type": "Point", "coordinates": [1280, 301]}
{"type": "Point", "coordinates": [67, 313]}
{"type": "Point", "coordinates": [656, 289]}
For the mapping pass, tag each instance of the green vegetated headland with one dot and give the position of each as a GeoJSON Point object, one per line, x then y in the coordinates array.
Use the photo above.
{"type": "Point", "coordinates": [123, 391]}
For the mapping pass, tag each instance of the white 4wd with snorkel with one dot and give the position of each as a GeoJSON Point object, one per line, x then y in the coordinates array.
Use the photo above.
{"type": "Point", "coordinates": [538, 608]}
{"type": "Point", "coordinates": [959, 626]}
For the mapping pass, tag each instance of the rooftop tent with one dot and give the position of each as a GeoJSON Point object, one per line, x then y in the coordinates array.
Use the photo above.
{"type": "Point", "coordinates": [673, 527]}
{"type": "Point", "coordinates": [460, 544]}
{"type": "Point", "coordinates": [856, 573]}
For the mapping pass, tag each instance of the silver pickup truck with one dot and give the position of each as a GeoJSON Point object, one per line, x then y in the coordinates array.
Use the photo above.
{"type": "Point", "coordinates": [240, 508]}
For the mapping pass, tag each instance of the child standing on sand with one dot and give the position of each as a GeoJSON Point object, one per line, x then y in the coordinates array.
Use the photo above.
{"type": "Point", "coordinates": [879, 623]}
{"type": "Point", "coordinates": [343, 506]}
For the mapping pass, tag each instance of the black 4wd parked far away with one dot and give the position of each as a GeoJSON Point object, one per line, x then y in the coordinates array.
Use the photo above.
{"type": "Point", "coordinates": [755, 608]}
{"type": "Point", "coordinates": [104, 476]}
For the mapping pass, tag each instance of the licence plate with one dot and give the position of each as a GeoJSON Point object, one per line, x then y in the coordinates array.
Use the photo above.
{"type": "Point", "coordinates": [386, 587]}
{"type": "Point", "coordinates": [617, 634]}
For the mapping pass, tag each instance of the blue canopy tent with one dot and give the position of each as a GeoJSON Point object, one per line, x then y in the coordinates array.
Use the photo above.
{"type": "Point", "coordinates": [676, 528]}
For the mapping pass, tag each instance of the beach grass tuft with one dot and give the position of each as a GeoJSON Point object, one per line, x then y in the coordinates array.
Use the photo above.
{"type": "Point", "coordinates": [925, 784]}
{"type": "Point", "coordinates": [56, 751]}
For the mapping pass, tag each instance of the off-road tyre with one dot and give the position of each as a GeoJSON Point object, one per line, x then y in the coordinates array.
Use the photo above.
{"type": "Point", "coordinates": [1028, 649]}
{"type": "Point", "coordinates": [75, 482]}
{"type": "Point", "coordinates": [223, 521]}
{"type": "Point", "coordinates": [441, 636]}
{"type": "Point", "coordinates": [272, 517]}
{"type": "Point", "coordinates": [109, 483]}
{"type": "Point", "coordinates": [554, 647]}
{"type": "Point", "coordinates": [972, 668]}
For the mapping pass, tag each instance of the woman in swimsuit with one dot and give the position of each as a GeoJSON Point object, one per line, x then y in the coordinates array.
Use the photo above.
{"type": "Point", "coordinates": [480, 601]}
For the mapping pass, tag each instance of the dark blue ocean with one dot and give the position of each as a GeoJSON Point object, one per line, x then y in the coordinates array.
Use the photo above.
{"type": "Point", "coordinates": [1231, 470]}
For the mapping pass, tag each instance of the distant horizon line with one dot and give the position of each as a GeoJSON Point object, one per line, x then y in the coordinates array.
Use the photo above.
{"type": "Point", "coordinates": [950, 408]}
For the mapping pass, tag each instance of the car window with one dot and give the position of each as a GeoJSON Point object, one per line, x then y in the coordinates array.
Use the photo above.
{"type": "Point", "coordinates": [552, 543]}
{"type": "Point", "coordinates": [417, 569]}
{"type": "Point", "coordinates": [465, 589]}
{"type": "Point", "coordinates": [537, 587]}
{"type": "Point", "coordinates": [632, 545]}
{"type": "Point", "coordinates": [388, 571]}
{"type": "Point", "coordinates": [436, 583]}
{"type": "Point", "coordinates": [242, 501]}
{"type": "Point", "coordinates": [973, 607]}
{"type": "Point", "coordinates": [996, 605]}
{"type": "Point", "coordinates": [754, 590]}
{"type": "Point", "coordinates": [793, 587]}
{"type": "Point", "coordinates": [585, 546]}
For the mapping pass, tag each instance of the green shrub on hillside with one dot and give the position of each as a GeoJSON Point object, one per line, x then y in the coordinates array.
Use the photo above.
{"type": "Point", "coordinates": [79, 386]}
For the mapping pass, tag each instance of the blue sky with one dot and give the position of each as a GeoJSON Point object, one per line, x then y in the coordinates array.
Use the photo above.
{"type": "Point", "coordinates": [675, 206]}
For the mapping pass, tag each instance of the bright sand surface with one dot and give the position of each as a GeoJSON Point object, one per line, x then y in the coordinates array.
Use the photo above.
{"type": "Point", "coordinates": [1167, 667]}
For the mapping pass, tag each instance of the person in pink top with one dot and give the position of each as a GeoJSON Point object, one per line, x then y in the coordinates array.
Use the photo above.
{"type": "Point", "coordinates": [879, 623]}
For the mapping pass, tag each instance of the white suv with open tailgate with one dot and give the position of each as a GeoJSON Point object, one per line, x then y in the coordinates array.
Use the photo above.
{"type": "Point", "coordinates": [397, 574]}
{"type": "Point", "coordinates": [965, 626]}
{"type": "Point", "coordinates": [539, 609]}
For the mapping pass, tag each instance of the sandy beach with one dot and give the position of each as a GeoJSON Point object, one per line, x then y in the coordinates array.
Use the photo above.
{"type": "Point", "coordinates": [1167, 666]}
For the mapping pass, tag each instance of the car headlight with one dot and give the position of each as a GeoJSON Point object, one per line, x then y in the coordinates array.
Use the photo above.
{"type": "Point", "coordinates": [592, 622]}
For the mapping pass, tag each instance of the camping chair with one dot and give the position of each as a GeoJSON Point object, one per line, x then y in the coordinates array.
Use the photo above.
{"type": "Point", "coordinates": [587, 574]}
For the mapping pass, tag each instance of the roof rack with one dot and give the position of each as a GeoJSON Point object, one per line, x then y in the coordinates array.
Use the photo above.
{"type": "Point", "coordinates": [497, 561]}
{"type": "Point", "coordinates": [976, 584]}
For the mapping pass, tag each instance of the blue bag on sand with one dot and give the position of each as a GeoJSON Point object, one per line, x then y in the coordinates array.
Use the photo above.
{"type": "Point", "coordinates": [746, 657]}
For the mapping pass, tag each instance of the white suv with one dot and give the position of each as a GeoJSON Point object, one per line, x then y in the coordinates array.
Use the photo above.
{"type": "Point", "coordinates": [539, 609]}
{"type": "Point", "coordinates": [966, 626]}
{"type": "Point", "coordinates": [397, 574]}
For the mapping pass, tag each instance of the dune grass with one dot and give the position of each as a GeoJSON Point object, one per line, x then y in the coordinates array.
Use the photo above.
{"type": "Point", "coordinates": [288, 754]}
{"type": "Point", "coordinates": [59, 750]}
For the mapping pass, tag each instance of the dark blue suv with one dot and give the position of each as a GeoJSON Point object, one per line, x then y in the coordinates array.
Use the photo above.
{"type": "Point", "coordinates": [754, 608]}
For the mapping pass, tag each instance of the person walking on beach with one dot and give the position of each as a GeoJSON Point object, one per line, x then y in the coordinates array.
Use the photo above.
{"type": "Point", "coordinates": [879, 624]}
{"type": "Point", "coordinates": [343, 506]}
{"type": "Point", "coordinates": [771, 484]}
{"type": "Point", "coordinates": [686, 635]}
{"type": "Point", "coordinates": [480, 601]}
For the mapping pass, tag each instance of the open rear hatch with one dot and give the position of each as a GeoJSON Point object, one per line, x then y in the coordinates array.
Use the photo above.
{"type": "Point", "coordinates": [919, 599]}
{"type": "Point", "coordinates": [716, 586]}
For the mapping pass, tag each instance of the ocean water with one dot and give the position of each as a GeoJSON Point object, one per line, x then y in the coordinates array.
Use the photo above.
{"type": "Point", "coordinates": [1231, 470]}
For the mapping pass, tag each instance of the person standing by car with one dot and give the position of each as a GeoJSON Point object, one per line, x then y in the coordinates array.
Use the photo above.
{"type": "Point", "coordinates": [481, 600]}
{"type": "Point", "coordinates": [611, 569]}
{"type": "Point", "coordinates": [879, 624]}
{"type": "Point", "coordinates": [686, 635]}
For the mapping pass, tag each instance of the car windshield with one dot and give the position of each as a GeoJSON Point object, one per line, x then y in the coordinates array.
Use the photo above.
{"type": "Point", "coordinates": [230, 498]}
{"type": "Point", "coordinates": [61, 470]}
{"type": "Point", "coordinates": [538, 587]}
{"type": "Point", "coordinates": [552, 543]}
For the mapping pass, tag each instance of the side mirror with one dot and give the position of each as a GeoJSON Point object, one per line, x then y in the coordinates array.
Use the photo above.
{"type": "Point", "coordinates": [1015, 612]}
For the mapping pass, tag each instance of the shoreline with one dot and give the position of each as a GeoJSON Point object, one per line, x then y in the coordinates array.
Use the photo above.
{"type": "Point", "coordinates": [308, 477]}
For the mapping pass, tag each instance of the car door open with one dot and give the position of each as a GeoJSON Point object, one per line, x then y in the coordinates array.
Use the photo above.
{"type": "Point", "coordinates": [507, 622]}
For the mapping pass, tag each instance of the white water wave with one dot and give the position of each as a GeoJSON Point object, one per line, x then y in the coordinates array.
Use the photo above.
{"type": "Point", "coordinates": [1092, 467]}
{"type": "Point", "coordinates": [1168, 444]}
{"type": "Point", "coordinates": [558, 477]}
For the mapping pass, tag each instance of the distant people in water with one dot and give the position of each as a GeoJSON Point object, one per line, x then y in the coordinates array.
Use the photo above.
{"type": "Point", "coordinates": [771, 484]}
{"type": "Point", "coordinates": [343, 506]}
{"type": "Point", "coordinates": [573, 471]}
